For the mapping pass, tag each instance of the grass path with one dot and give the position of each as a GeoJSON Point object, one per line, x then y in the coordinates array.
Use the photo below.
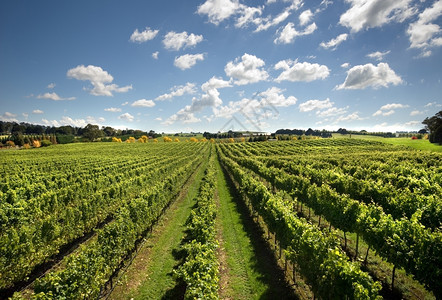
{"type": "Point", "coordinates": [248, 269]}
{"type": "Point", "coordinates": [150, 275]}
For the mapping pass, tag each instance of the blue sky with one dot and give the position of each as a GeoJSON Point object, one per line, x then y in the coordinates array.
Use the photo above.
{"type": "Point", "coordinates": [215, 65]}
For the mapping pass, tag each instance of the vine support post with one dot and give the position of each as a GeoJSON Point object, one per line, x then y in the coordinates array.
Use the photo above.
{"type": "Point", "coordinates": [366, 255]}
{"type": "Point", "coordinates": [392, 277]}
{"type": "Point", "coordinates": [357, 245]}
{"type": "Point", "coordinates": [345, 240]}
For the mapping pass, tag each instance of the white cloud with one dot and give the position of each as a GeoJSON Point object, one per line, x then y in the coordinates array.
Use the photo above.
{"type": "Point", "coordinates": [126, 116]}
{"type": "Point", "coordinates": [51, 85]}
{"type": "Point", "coordinates": [345, 65]}
{"type": "Point", "coordinates": [53, 96]}
{"type": "Point", "coordinates": [266, 23]}
{"type": "Point", "coordinates": [187, 61]}
{"type": "Point", "coordinates": [393, 106]}
{"type": "Point", "coordinates": [375, 13]}
{"type": "Point", "coordinates": [159, 119]}
{"type": "Point", "coordinates": [389, 109]}
{"type": "Point", "coordinates": [295, 71]}
{"type": "Point", "coordinates": [37, 112]}
{"type": "Point", "coordinates": [9, 117]}
{"type": "Point", "coordinates": [333, 43]}
{"type": "Point", "coordinates": [363, 76]}
{"type": "Point", "coordinates": [378, 55]}
{"type": "Point", "coordinates": [422, 32]}
{"type": "Point", "coordinates": [178, 91]}
{"type": "Point", "coordinates": [331, 112]}
{"type": "Point", "coordinates": [144, 36]}
{"type": "Point", "coordinates": [215, 83]}
{"type": "Point", "coordinates": [288, 33]}
{"type": "Point", "coordinates": [219, 10]}
{"type": "Point", "coordinates": [315, 105]}
{"type": "Point", "coordinates": [100, 79]}
{"type": "Point", "coordinates": [351, 117]}
{"type": "Point", "coordinates": [273, 96]}
{"type": "Point", "coordinates": [143, 103]}
{"type": "Point", "coordinates": [416, 112]}
{"type": "Point", "coordinates": [384, 113]}
{"type": "Point", "coordinates": [247, 70]}
{"type": "Point", "coordinates": [305, 17]}
{"type": "Point", "coordinates": [50, 123]}
{"type": "Point", "coordinates": [248, 16]}
{"type": "Point", "coordinates": [125, 103]}
{"type": "Point", "coordinates": [113, 109]}
{"type": "Point", "coordinates": [155, 55]}
{"type": "Point", "coordinates": [175, 41]}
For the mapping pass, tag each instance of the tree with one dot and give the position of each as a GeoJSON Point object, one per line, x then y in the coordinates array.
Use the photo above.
{"type": "Point", "coordinates": [92, 132]}
{"type": "Point", "coordinates": [434, 126]}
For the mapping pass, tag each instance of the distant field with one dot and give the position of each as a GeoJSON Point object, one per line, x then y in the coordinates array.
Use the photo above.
{"type": "Point", "coordinates": [416, 144]}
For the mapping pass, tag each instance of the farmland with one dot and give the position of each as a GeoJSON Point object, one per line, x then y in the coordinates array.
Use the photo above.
{"type": "Point", "coordinates": [333, 218]}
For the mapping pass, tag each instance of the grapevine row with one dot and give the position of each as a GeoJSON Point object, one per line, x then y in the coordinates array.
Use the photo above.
{"type": "Point", "coordinates": [325, 267]}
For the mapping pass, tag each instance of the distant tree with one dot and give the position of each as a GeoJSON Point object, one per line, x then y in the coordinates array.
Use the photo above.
{"type": "Point", "coordinates": [422, 131]}
{"type": "Point", "coordinates": [434, 126]}
{"type": "Point", "coordinates": [92, 132]}
{"type": "Point", "coordinates": [342, 131]}
{"type": "Point", "coordinates": [309, 132]}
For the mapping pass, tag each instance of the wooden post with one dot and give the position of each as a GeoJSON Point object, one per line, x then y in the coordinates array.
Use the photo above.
{"type": "Point", "coordinates": [366, 255]}
{"type": "Point", "coordinates": [392, 277]}
{"type": "Point", "coordinates": [357, 246]}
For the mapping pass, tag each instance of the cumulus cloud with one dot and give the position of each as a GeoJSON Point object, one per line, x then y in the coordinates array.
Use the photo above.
{"type": "Point", "coordinates": [175, 41]}
{"type": "Point", "coordinates": [155, 55]}
{"type": "Point", "coordinates": [246, 70]}
{"type": "Point", "coordinates": [210, 98]}
{"type": "Point", "coordinates": [113, 109]}
{"type": "Point", "coordinates": [296, 71]}
{"type": "Point", "coordinates": [422, 32]}
{"type": "Point", "coordinates": [375, 13]}
{"type": "Point", "coordinates": [53, 96]}
{"type": "Point", "coordinates": [311, 105]}
{"type": "Point", "coordinates": [37, 111]}
{"type": "Point", "coordinates": [68, 121]}
{"type": "Point", "coordinates": [388, 109]}
{"type": "Point", "coordinates": [178, 91]}
{"type": "Point", "coordinates": [345, 65]}
{"type": "Point", "coordinates": [127, 117]}
{"type": "Point", "coordinates": [258, 109]}
{"type": "Point", "coordinates": [99, 78]}
{"type": "Point", "coordinates": [334, 43]}
{"type": "Point", "coordinates": [378, 55]}
{"type": "Point", "coordinates": [416, 112]}
{"type": "Point", "coordinates": [144, 36]}
{"type": "Point", "coordinates": [219, 10]}
{"type": "Point", "coordinates": [187, 61]}
{"type": "Point", "coordinates": [331, 112]}
{"type": "Point", "coordinates": [351, 117]}
{"type": "Point", "coordinates": [363, 76]}
{"type": "Point", "coordinates": [305, 17]}
{"type": "Point", "coordinates": [266, 23]}
{"type": "Point", "coordinates": [274, 96]}
{"type": "Point", "coordinates": [143, 103]}
{"type": "Point", "coordinates": [288, 33]}
{"type": "Point", "coordinates": [8, 117]}
{"type": "Point", "coordinates": [51, 86]}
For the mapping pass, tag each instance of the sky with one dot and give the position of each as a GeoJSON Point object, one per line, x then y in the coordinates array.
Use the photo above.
{"type": "Point", "coordinates": [218, 65]}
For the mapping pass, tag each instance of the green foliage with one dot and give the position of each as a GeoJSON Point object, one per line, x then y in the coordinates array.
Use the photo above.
{"type": "Point", "coordinates": [200, 267]}
{"type": "Point", "coordinates": [45, 143]}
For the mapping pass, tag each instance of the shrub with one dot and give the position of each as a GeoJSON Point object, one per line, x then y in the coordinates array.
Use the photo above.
{"type": "Point", "coordinates": [45, 143]}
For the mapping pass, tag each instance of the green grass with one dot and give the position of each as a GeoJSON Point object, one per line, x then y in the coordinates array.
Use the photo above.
{"type": "Point", "coordinates": [424, 145]}
{"type": "Point", "coordinates": [251, 269]}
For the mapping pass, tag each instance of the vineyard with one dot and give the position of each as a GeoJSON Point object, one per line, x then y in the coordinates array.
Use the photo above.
{"type": "Point", "coordinates": [340, 218]}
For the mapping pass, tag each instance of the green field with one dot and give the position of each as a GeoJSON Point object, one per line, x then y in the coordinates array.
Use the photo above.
{"type": "Point", "coordinates": [421, 144]}
{"type": "Point", "coordinates": [356, 218]}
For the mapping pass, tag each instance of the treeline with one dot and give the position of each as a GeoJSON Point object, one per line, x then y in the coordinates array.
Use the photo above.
{"type": "Point", "coordinates": [20, 134]}
{"type": "Point", "coordinates": [299, 132]}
